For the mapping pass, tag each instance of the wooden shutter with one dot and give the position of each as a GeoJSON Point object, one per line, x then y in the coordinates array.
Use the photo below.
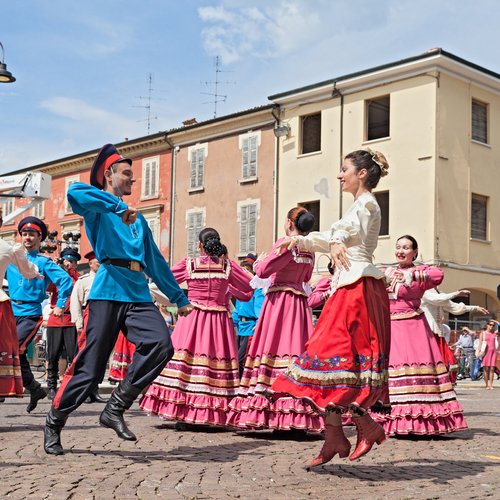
{"type": "Point", "coordinates": [197, 160]}
{"type": "Point", "coordinates": [146, 191]}
{"type": "Point", "coordinates": [248, 228]}
{"type": "Point", "coordinates": [245, 159]}
{"type": "Point", "coordinates": [244, 229]}
{"type": "Point", "coordinates": [479, 122]}
{"type": "Point", "coordinates": [151, 176]}
{"type": "Point", "coordinates": [201, 158]}
{"type": "Point", "coordinates": [195, 225]}
{"type": "Point", "coordinates": [252, 227]}
{"type": "Point", "coordinates": [479, 217]}
{"type": "Point", "coordinates": [191, 240]}
{"type": "Point", "coordinates": [194, 154]}
{"type": "Point", "coordinates": [252, 143]}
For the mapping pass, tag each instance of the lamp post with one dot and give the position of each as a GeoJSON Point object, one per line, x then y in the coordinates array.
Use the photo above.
{"type": "Point", "coordinates": [5, 76]}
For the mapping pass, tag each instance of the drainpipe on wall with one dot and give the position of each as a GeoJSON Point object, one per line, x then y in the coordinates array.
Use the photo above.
{"type": "Point", "coordinates": [336, 93]}
{"type": "Point", "coordinates": [276, 172]}
{"type": "Point", "coordinates": [172, 198]}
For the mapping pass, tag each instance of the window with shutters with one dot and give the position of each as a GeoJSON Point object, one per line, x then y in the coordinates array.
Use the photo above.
{"type": "Point", "coordinates": [197, 156]}
{"type": "Point", "coordinates": [479, 121]}
{"type": "Point", "coordinates": [383, 203]}
{"type": "Point", "coordinates": [150, 177]}
{"type": "Point", "coordinates": [69, 181]}
{"type": "Point", "coordinates": [154, 225]}
{"type": "Point", "coordinates": [39, 210]}
{"type": "Point", "coordinates": [310, 126]}
{"type": "Point", "coordinates": [8, 206]}
{"type": "Point", "coordinates": [313, 207]}
{"type": "Point", "coordinates": [249, 145]}
{"type": "Point", "coordinates": [479, 217]}
{"type": "Point", "coordinates": [195, 222]}
{"type": "Point", "coordinates": [377, 112]}
{"type": "Point", "coordinates": [248, 213]}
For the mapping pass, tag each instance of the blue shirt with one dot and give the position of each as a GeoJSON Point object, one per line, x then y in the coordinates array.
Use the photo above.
{"type": "Point", "coordinates": [246, 314]}
{"type": "Point", "coordinates": [112, 239]}
{"type": "Point", "coordinates": [34, 291]}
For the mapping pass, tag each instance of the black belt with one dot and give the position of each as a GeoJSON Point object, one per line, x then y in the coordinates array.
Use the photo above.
{"type": "Point", "coordinates": [133, 265]}
{"type": "Point", "coordinates": [24, 302]}
{"type": "Point", "coordinates": [245, 318]}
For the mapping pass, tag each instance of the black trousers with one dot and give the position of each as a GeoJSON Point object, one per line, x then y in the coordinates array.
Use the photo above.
{"type": "Point", "coordinates": [141, 323]}
{"type": "Point", "coordinates": [242, 350]}
{"type": "Point", "coordinates": [59, 339]}
{"type": "Point", "coordinates": [27, 326]}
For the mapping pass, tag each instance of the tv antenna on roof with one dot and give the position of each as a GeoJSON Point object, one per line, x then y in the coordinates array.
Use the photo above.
{"type": "Point", "coordinates": [215, 94]}
{"type": "Point", "coordinates": [149, 98]}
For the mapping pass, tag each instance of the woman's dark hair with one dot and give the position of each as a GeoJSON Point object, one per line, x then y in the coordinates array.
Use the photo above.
{"type": "Point", "coordinates": [373, 161]}
{"type": "Point", "coordinates": [331, 267]}
{"type": "Point", "coordinates": [302, 219]}
{"type": "Point", "coordinates": [414, 244]}
{"type": "Point", "coordinates": [210, 240]}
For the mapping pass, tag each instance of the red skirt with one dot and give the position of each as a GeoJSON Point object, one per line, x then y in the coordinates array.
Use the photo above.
{"type": "Point", "coordinates": [122, 357]}
{"type": "Point", "coordinates": [346, 360]}
{"type": "Point", "coordinates": [11, 383]}
{"type": "Point", "coordinates": [448, 358]}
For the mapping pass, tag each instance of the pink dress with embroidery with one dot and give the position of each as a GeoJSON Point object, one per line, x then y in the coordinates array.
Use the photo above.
{"type": "Point", "coordinates": [420, 390]}
{"type": "Point", "coordinates": [283, 328]}
{"type": "Point", "coordinates": [197, 384]}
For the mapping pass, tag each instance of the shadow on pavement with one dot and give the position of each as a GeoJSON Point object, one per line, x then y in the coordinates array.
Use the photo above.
{"type": "Point", "coordinates": [39, 428]}
{"type": "Point", "coordinates": [439, 471]}
{"type": "Point", "coordinates": [269, 435]}
{"type": "Point", "coordinates": [465, 435]}
{"type": "Point", "coordinates": [216, 453]}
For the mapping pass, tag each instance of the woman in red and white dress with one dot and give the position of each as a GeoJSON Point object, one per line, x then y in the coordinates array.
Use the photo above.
{"type": "Point", "coordinates": [345, 363]}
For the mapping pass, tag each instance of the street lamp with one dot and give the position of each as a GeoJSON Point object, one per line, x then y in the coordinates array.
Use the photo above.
{"type": "Point", "coordinates": [5, 76]}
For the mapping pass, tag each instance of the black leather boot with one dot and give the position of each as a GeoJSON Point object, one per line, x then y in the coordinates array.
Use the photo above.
{"type": "Point", "coordinates": [95, 397]}
{"type": "Point", "coordinates": [52, 379]}
{"type": "Point", "coordinates": [112, 416]}
{"type": "Point", "coordinates": [52, 432]}
{"type": "Point", "coordinates": [37, 392]}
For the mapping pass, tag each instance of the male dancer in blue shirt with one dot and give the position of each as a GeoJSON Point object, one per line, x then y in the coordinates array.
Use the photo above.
{"type": "Point", "coordinates": [27, 296]}
{"type": "Point", "coordinates": [119, 299]}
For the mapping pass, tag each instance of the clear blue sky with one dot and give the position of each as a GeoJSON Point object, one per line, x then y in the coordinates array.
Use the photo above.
{"type": "Point", "coordinates": [81, 65]}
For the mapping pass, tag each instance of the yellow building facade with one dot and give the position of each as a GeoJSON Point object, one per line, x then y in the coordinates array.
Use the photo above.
{"type": "Point", "coordinates": [435, 117]}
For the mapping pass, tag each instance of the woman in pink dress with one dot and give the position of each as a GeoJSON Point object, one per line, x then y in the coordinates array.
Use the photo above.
{"type": "Point", "coordinates": [196, 385]}
{"type": "Point", "coordinates": [490, 356]}
{"type": "Point", "coordinates": [283, 328]}
{"type": "Point", "coordinates": [420, 390]}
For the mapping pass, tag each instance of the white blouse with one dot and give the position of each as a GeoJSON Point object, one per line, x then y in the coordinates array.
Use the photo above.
{"type": "Point", "coordinates": [358, 230]}
{"type": "Point", "coordinates": [437, 305]}
{"type": "Point", "coordinates": [15, 254]}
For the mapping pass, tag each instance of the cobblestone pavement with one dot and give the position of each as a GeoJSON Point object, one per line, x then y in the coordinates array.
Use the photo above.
{"type": "Point", "coordinates": [167, 464]}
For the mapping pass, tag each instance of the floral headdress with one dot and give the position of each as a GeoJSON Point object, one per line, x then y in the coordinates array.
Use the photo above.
{"type": "Point", "coordinates": [380, 160]}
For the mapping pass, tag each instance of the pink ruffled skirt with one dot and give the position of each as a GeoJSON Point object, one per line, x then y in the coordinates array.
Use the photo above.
{"type": "Point", "coordinates": [280, 336]}
{"type": "Point", "coordinates": [197, 384]}
{"type": "Point", "coordinates": [420, 390]}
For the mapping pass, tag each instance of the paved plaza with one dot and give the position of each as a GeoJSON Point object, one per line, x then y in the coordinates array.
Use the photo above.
{"type": "Point", "coordinates": [216, 464]}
